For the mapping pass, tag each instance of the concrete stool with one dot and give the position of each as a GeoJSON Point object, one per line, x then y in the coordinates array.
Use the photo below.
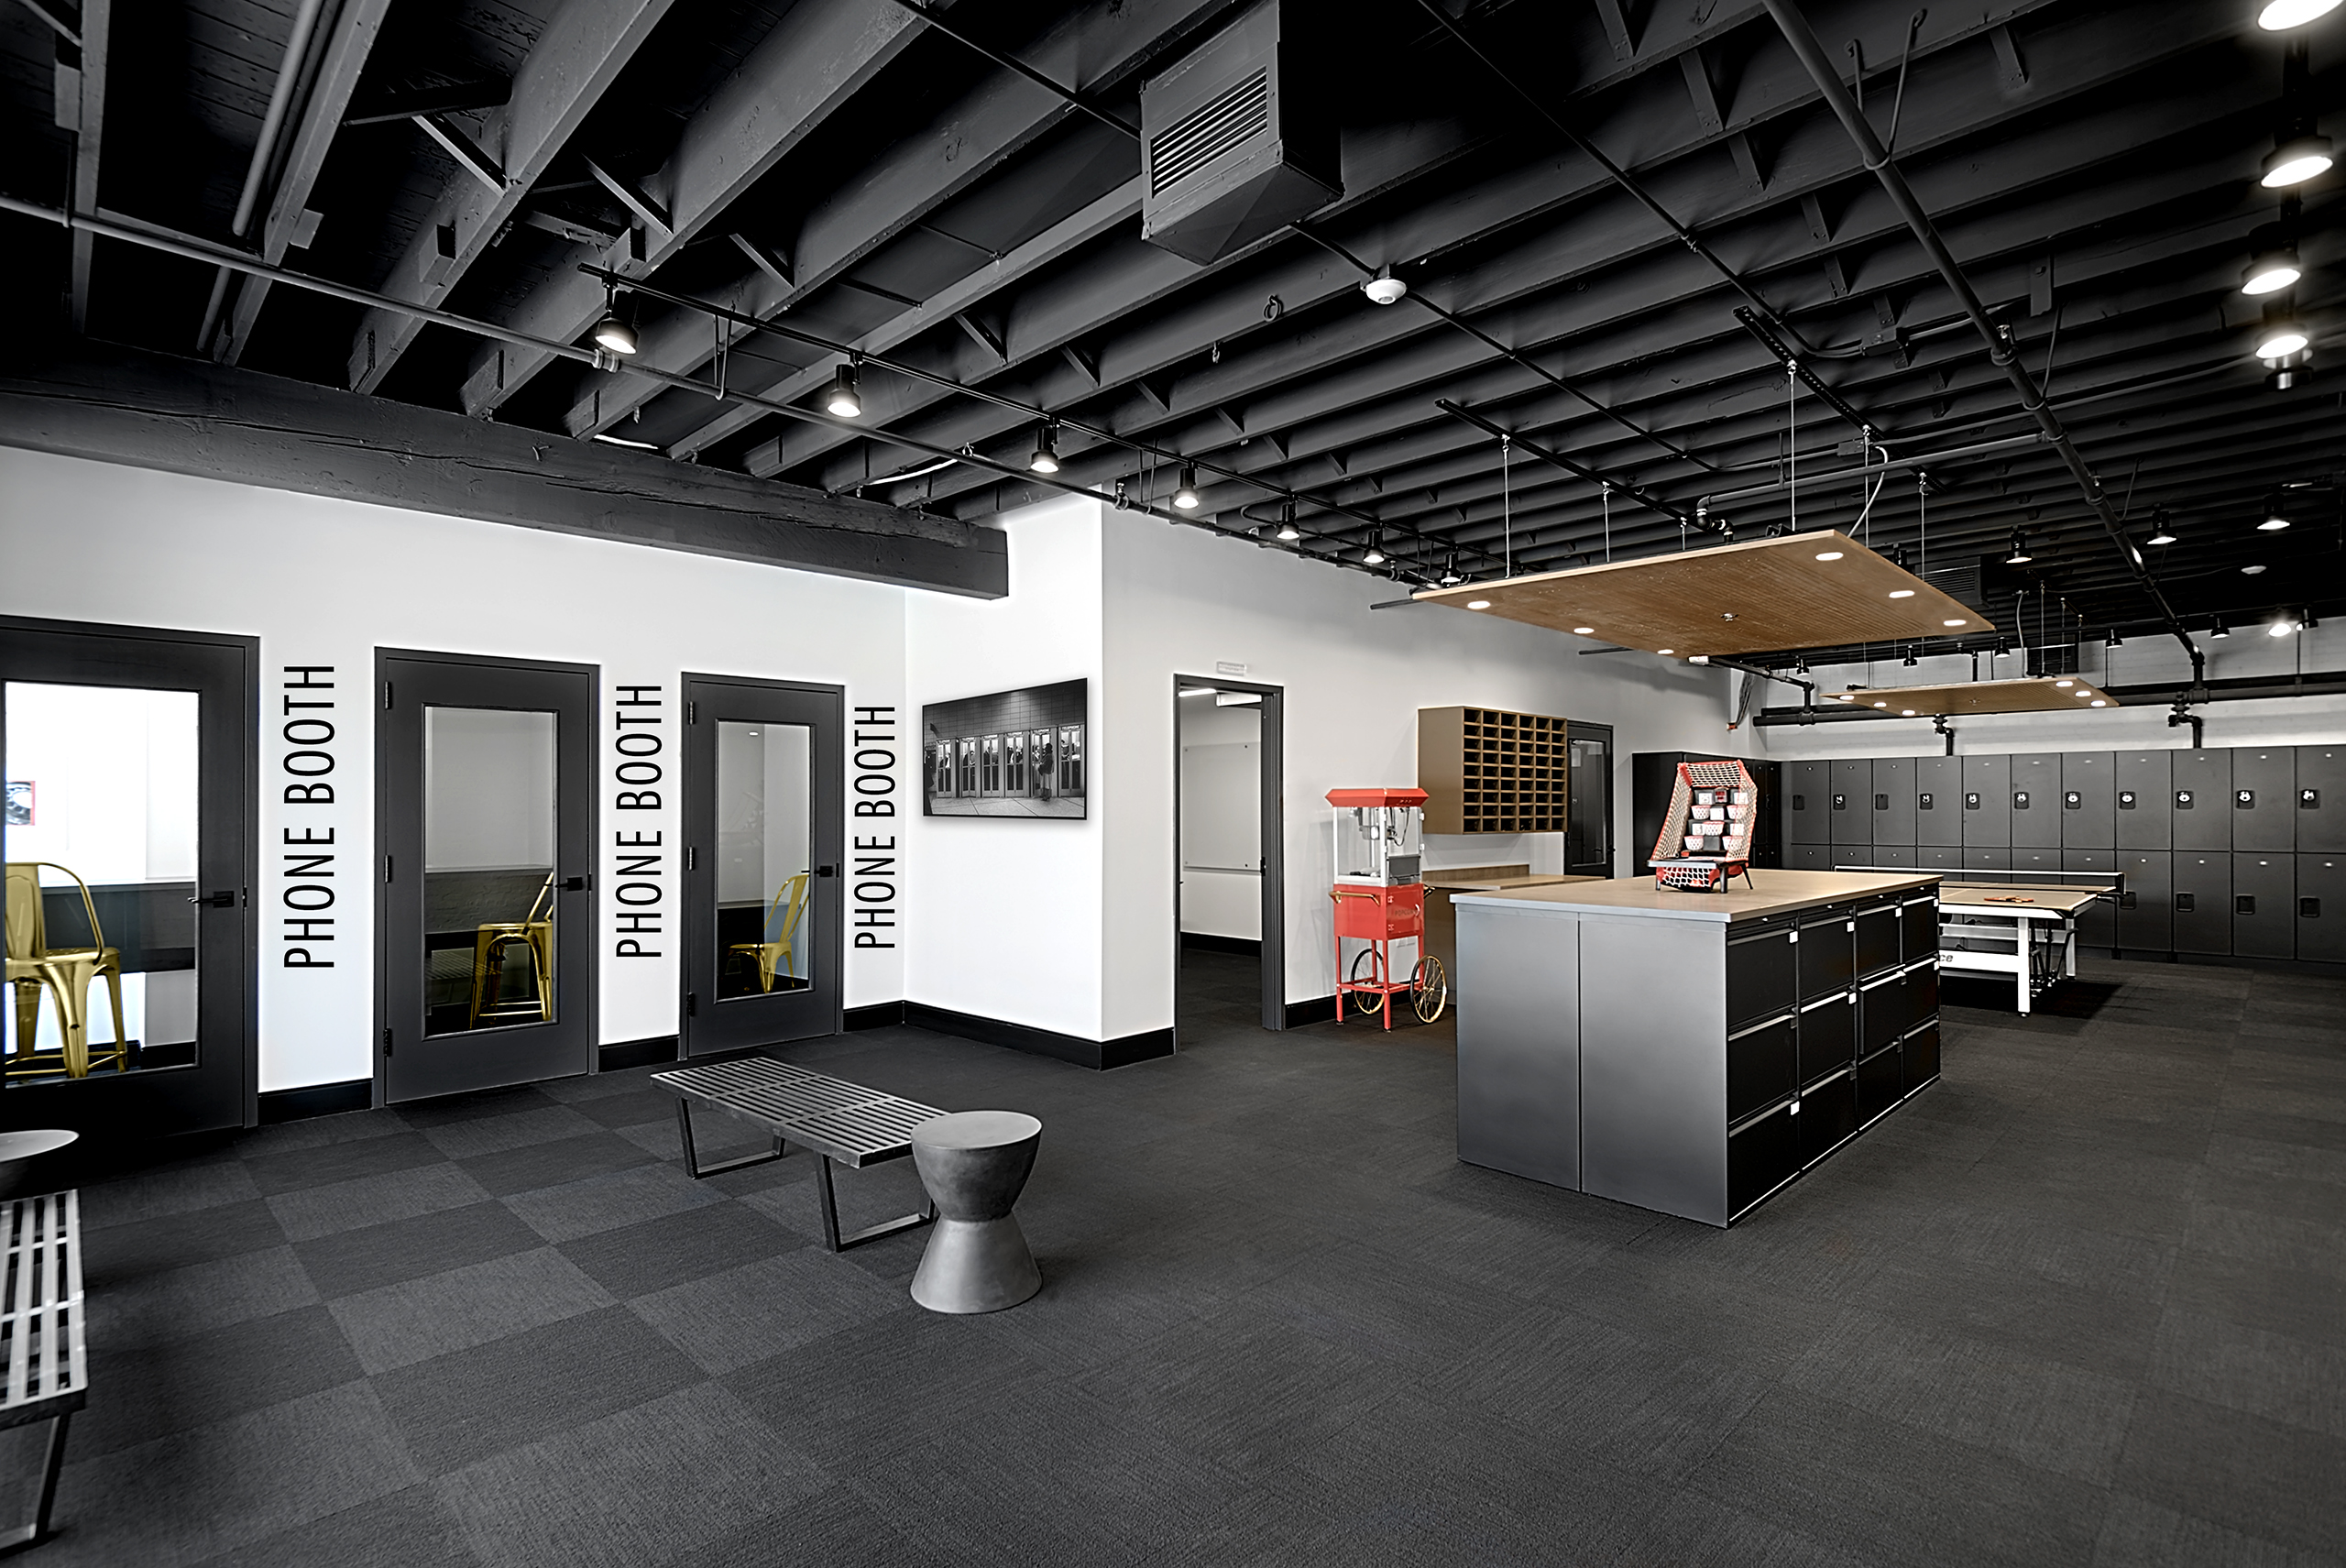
{"type": "Point", "coordinates": [974, 1163]}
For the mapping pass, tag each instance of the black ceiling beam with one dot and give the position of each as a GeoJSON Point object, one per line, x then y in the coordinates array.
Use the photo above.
{"type": "Point", "coordinates": [445, 98]}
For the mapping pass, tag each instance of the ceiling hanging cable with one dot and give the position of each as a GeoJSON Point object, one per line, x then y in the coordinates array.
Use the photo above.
{"type": "Point", "coordinates": [1506, 506]}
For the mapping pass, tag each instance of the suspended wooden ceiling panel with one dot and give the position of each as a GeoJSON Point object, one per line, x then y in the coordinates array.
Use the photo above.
{"type": "Point", "coordinates": [1804, 590]}
{"type": "Point", "coordinates": [2036, 694]}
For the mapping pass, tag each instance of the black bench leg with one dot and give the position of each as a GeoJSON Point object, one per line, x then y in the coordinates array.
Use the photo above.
{"type": "Point", "coordinates": [832, 1238]}
{"type": "Point", "coordinates": [33, 1534]}
{"type": "Point", "coordinates": [691, 1160]}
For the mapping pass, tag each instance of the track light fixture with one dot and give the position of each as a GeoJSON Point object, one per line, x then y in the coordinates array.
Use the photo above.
{"type": "Point", "coordinates": [2112, 640]}
{"type": "Point", "coordinates": [1910, 658]}
{"type": "Point", "coordinates": [2281, 335]}
{"type": "Point", "coordinates": [1290, 533]}
{"type": "Point", "coordinates": [1376, 555]}
{"type": "Point", "coordinates": [2003, 648]}
{"type": "Point", "coordinates": [2287, 371]}
{"type": "Point", "coordinates": [2019, 555]}
{"type": "Point", "coordinates": [611, 333]}
{"type": "Point", "coordinates": [843, 399]}
{"type": "Point", "coordinates": [2280, 13]}
{"type": "Point", "coordinates": [2295, 160]}
{"type": "Point", "coordinates": [2270, 272]}
{"type": "Point", "coordinates": [2275, 520]}
{"type": "Point", "coordinates": [1185, 494]}
{"type": "Point", "coordinates": [1449, 578]}
{"type": "Point", "coordinates": [2306, 619]}
{"type": "Point", "coordinates": [1045, 460]}
{"type": "Point", "coordinates": [2217, 629]}
{"type": "Point", "coordinates": [2282, 625]}
{"type": "Point", "coordinates": [2162, 530]}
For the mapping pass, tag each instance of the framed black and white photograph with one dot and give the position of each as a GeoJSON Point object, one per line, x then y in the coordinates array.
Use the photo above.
{"type": "Point", "coordinates": [20, 802]}
{"type": "Point", "coordinates": [1013, 754]}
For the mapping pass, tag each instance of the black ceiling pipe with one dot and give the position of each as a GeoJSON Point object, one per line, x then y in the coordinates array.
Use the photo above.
{"type": "Point", "coordinates": [1876, 158]}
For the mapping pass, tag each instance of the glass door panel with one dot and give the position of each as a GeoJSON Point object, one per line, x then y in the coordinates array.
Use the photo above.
{"type": "Point", "coordinates": [1588, 819]}
{"type": "Point", "coordinates": [489, 903]}
{"type": "Point", "coordinates": [765, 921]}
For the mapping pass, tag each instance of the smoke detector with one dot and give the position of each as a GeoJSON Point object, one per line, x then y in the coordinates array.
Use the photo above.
{"type": "Point", "coordinates": [1384, 288]}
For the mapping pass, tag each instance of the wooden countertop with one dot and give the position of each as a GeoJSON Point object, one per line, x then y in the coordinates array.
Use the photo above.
{"type": "Point", "coordinates": [1772, 893]}
{"type": "Point", "coordinates": [2015, 897]}
{"type": "Point", "coordinates": [1448, 884]}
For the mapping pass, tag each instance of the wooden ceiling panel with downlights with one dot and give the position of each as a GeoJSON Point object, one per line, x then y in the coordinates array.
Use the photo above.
{"type": "Point", "coordinates": [2034, 694]}
{"type": "Point", "coordinates": [1804, 590]}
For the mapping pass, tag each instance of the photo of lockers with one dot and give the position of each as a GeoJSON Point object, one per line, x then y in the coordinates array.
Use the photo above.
{"type": "Point", "coordinates": [2227, 853]}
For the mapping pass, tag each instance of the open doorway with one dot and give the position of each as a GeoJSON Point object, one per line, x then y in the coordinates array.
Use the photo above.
{"type": "Point", "coordinates": [1229, 965]}
{"type": "Point", "coordinates": [1588, 838]}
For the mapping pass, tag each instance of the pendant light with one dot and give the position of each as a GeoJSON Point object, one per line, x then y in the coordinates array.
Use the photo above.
{"type": "Point", "coordinates": [2275, 519]}
{"type": "Point", "coordinates": [2019, 555]}
{"type": "Point", "coordinates": [843, 399]}
{"type": "Point", "coordinates": [1185, 494]}
{"type": "Point", "coordinates": [2280, 13]}
{"type": "Point", "coordinates": [2281, 335]}
{"type": "Point", "coordinates": [2295, 160]}
{"type": "Point", "coordinates": [1290, 533]}
{"type": "Point", "coordinates": [1375, 556]}
{"type": "Point", "coordinates": [1045, 460]}
{"type": "Point", "coordinates": [2162, 532]}
{"type": "Point", "coordinates": [2112, 640]}
{"type": "Point", "coordinates": [2282, 626]}
{"type": "Point", "coordinates": [610, 331]}
{"type": "Point", "coordinates": [2272, 270]}
{"type": "Point", "coordinates": [2217, 629]}
{"type": "Point", "coordinates": [2306, 620]}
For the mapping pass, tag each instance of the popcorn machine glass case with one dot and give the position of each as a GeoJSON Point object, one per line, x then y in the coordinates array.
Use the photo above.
{"type": "Point", "coordinates": [1706, 833]}
{"type": "Point", "coordinates": [1380, 905]}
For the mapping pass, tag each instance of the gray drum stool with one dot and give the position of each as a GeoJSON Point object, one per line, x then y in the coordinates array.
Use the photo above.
{"type": "Point", "coordinates": [974, 1163]}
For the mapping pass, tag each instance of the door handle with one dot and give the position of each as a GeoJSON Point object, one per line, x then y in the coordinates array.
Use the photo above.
{"type": "Point", "coordinates": [577, 883]}
{"type": "Point", "coordinates": [826, 871]}
{"type": "Point", "coordinates": [215, 900]}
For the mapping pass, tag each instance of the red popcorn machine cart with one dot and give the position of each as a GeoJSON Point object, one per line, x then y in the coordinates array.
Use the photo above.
{"type": "Point", "coordinates": [1380, 900]}
{"type": "Point", "coordinates": [1706, 834]}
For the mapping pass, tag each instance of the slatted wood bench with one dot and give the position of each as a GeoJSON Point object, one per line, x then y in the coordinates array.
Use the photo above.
{"type": "Point", "coordinates": [829, 1117]}
{"type": "Point", "coordinates": [41, 1334]}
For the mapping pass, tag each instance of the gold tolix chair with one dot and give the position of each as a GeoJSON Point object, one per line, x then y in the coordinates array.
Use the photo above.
{"type": "Point", "coordinates": [789, 906]}
{"type": "Point", "coordinates": [534, 935]}
{"type": "Point", "coordinates": [65, 972]}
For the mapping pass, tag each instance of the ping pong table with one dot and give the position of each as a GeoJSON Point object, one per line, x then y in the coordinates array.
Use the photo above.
{"type": "Point", "coordinates": [2020, 927]}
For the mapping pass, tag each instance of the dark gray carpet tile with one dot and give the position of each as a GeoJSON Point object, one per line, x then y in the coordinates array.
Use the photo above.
{"type": "Point", "coordinates": [2241, 1471]}
{"type": "Point", "coordinates": [1691, 1531]}
{"type": "Point", "coordinates": [311, 1132]}
{"type": "Point", "coordinates": [2308, 1246]}
{"type": "Point", "coordinates": [880, 1385]}
{"type": "Point", "coordinates": [470, 1404]}
{"type": "Point", "coordinates": [2309, 1132]}
{"type": "Point", "coordinates": [2051, 1416]}
{"type": "Point", "coordinates": [514, 1130]}
{"type": "Point", "coordinates": [594, 1152]}
{"type": "Point", "coordinates": [2137, 1534]}
{"type": "Point", "coordinates": [1047, 1475]}
{"type": "Point", "coordinates": [836, 1528]}
{"type": "Point", "coordinates": [2295, 1382]}
{"type": "Point", "coordinates": [641, 1102]}
{"type": "Point", "coordinates": [1258, 1527]}
{"type": "Point", "coordinates": [347, 1262]}
{"type": "Point", "coordinates": [156, 1391]}
{"type": "Point", "coordinates": [160, 1193]}
{"type": "Point", "coordinates": [726, 1321]}
{"type": "Point", "coordinates": [643, 1486]}
{"type": "Point", "coordinates": [607, 1201]}
{"type": "Point", "coordinates": [173, 1241]}
{"type": "Point", "coordinates": [1097, 1305]}
{"type": "Point", "coordinates": [2233, 1154]}
{"type": "Point", "coordinates": [1898, 1494]}
{"type": "Point", "coordinates": [327, 1163]}
{"type": "Point", "coordinates": [676, 1249]}
{"type": "Point", "coordinates": [1681, 1302]}
{"type": "Point", "coordinates": [2108, 1332]}
{"type": "Point", "coordinates": [156, 1309]}
{"type": "Point", "coordinates": [1355, 1298]}
{"type": "Point", "coordinates": [2309, 1307]}
{"type": "Point", "coordinates": [218, 1489]}
{"type": "Point", "coordinates": [486, 1103]}
{"type": "Point", "coordinates": [2282, 1099]}
{"type": "Point", "coordinates": [409, 1529]}
{"type": "Point", "coordinates": [2271, 1192]}
{"type": "Point", "coordinates": [786, 1193]}
{"type": "Point", "coordinates": [374, 1199]}
{"type": "Point", "coordinates": [415, 1319]}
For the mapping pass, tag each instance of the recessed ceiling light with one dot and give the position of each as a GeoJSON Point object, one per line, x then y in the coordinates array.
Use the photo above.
{"type": "Point", "coordinates": [1478, 604]}
{"type": "Point", "coordinates": [1665, 649]}
{"type": "Point", "coordinates": [1902, 593]}
{"type": "Point", "coordinates": [1954, 624]}
{"type": "Point", "coordinates": [2252, 570]}
{"type": "Point", "coordinates": [2295, 160]}
{"type": "Point", "coordinates": [1583, 631]}
{"type": "Point", "coordinates": [2064, 683]}
{"type": "Point", "coordinates": [1906, 713]}
{"type": "Point", "coordinates": [1828, 554]}
{"type": "Point", "coordinates": [2099, 703]}
{"type": "Point", "coordinates": [1882, 704]}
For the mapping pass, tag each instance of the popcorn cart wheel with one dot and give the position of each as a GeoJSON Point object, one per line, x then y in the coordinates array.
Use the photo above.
{"type": "Point", "coordinates": [1429, 986]}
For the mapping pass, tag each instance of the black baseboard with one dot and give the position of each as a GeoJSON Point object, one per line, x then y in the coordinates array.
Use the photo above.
{"type": "Point", "coordinates": [315, 1100]}
{"type": "Point", "coordinates": [625, 1054]}
{"type": "Point", "coordinates": [1244, 946]}
{"type": "Point", "coordinates": [1098, 1055]}
{"type": "Point", "coordinates": [1317, 1010]}
{"type": "Point", "coordinates": [878, 1015]}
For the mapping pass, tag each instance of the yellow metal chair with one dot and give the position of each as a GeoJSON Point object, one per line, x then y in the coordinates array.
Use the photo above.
{"type": "Point", "coordinates": [65, 972]}
{"type": "Point", "coordinates": [534, 934]}
{"type": "Point", "coordinates": [789, 907]}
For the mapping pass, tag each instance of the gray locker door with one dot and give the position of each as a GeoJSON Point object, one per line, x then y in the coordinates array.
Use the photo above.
{"type": "Point", "coordinates": [2035, 865]}
{"type": "Point", "coordinates": [2087, 791]}
{"type": "Point", "coordinates": [2321, 907]}
{"type": "Point", "coordinates": [2265, 799]}
{"type": "Point", "coordinates": [1893, 803]}
{"type": "Point", "coordinates": [2321, 800]}
{"type": "Point", "coordinates": [1806, 785]}
{"type": "Point", "coordinates": [2203, 806]}
{"type": "Point", "coordinates": [1852, 813]}
{"type": "Point", "coordinates": [2204, 883]}
{"type": "Point", "coordinates": [1987, 802]}
{"type": "Point", "coordinates": [1986, 858]}
{"type": "Point", "coordinates": [2097, 922]}
{"type": "Point", "coordinates": [2036, 800]}
{"type": "Point", "coordinates": [2146, 911]}
{"type": "Point", "coordinates": [1900, 856]}
{"type": "Point", "coordinates": [1939, 801]}
{"type": "Point", "coordinates": [1808, 857]}
{"type": "Point", "coordinates": [2265, 912]}
{"type": "Point", "coordinates": [1939, 857]}
{"type": "Point", "coordinates": [2144, 812]}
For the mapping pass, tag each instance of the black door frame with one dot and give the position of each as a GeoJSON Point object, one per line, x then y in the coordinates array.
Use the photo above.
{"type": "Point", "coordinates": [75, 652]}
{"type": "Point", "coordinates": [1273, 831]}
{"type": "Point", "coordinates": [577, 838]}
{"type": "Point", "coordinates": [1612, 848]}
{"type": "Point", "coordinates": [827, 848]}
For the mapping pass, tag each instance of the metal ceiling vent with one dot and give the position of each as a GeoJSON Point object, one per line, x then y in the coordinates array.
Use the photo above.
{"type": "Point", "coordinates": [1239, 138]}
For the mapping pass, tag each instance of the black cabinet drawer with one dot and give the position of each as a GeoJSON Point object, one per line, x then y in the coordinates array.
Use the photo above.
{"type": "Point", "coordinates": [1884, 1013]}
{"type": "Point", "coordinates": [1760, 1067]}
{"type": "Point", "coordinates": [1828, 1117]}
{"type": "Point", "coordinates": [1923, 992]}
{"type": "Point", "coordinates": [1877, 935]}
{"type": "Point", "coordinates": [1918, 927]}
{"type": "Point", "coordinates": [1881, 1083]}
{"type": "Point", "coordinates": [1827, 956]}
{"type": "Point", "coordinates": [1922, 1053]}
{"type": "Point", "coordinates": [1828, 1037]}
{"type": "Point", "coordinates": [1761, 1157]}
{"type": "Point", "coordinates": [1763, 976]}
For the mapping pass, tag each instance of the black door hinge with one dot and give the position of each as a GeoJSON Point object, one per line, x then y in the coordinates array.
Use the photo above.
{"type": "Point", "coordinates": [692, 1004]}
{"type": "Point", "coordinates": [386, 694]}
{"type": "Point", "coordinates": [692, 857]}
{"type": "Point", "coordinates": [387, 868]}
{"type": "Point", "coordinates": [387, 1040]}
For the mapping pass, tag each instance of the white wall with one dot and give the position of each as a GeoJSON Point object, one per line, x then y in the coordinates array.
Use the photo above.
{"type": "Point", "coordinates": [1221, 819]}
{"type": "Point", "coordinates": [1005, 911]}
{"type": "Point", "coordinates": [326, 582]}
{"type": "Point", "coordinates": [1181, 601]}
